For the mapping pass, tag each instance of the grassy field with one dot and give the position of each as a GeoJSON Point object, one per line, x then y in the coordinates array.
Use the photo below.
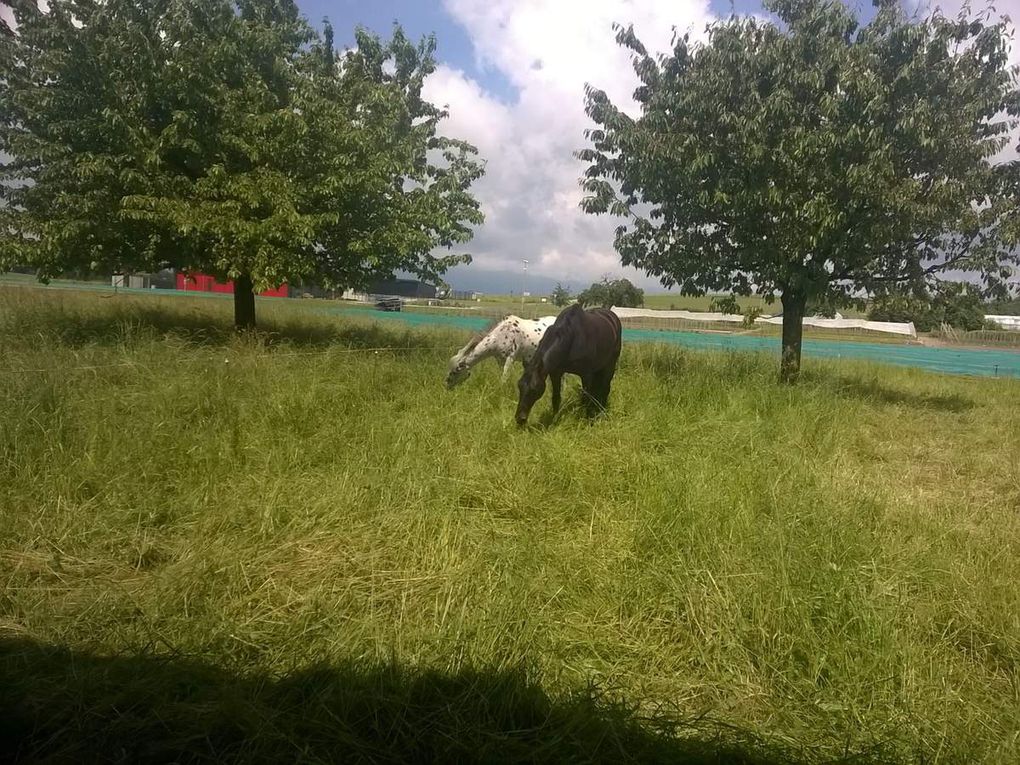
{"type": "Point", "coordinates": [302, 547]}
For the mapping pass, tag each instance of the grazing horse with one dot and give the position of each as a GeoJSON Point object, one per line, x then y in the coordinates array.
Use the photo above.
{"type": "Point", "coordinates": [580, 342]}
{"type": "Point", "coordinates": [512, 338]}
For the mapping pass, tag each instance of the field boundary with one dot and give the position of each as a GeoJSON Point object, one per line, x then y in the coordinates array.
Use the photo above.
{"type": "Point", "coordinates": [979, 362]}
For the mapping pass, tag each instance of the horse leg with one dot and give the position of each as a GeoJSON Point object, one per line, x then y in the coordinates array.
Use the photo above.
{"type": "Point", "coordinates": [600, 382]}
{"type": "Point", "coordinates": [607, 380]}
{"type": "Point", "coordinates": [507, 366]}
{"type": "Point", "coordinates": [557, 387]}
{"type": "Point", "coordinates": [588, 389]}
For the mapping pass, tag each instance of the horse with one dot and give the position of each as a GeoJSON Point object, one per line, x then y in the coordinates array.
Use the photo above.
{"type": "Point", "coordinates": [580, 342]}
{"type": "Point", "coordinates": [509, 339]}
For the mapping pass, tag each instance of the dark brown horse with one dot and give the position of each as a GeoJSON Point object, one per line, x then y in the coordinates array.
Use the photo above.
{"type": "Point", "coordinates": [582, 343]}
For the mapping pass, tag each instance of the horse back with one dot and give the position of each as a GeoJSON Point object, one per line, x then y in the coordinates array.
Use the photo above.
{"type": "Point", "coordinates": [582, 341]}
{"type": "Point", "coordinates": [608, 331]}
{"type": "Point", "coordinates": [614, 321]}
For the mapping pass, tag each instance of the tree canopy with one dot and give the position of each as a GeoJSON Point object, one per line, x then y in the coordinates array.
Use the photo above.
{"type": "Point", "coordinates": [811, 158]}
{"type": "Point", "coordinates": [607, 293]}
{"type": "Point", "coordinates": [226, 137]}
{"type": "Point", "coordinates": [560, 295]}
{"type": "Point", "coordinates": [957, 304]}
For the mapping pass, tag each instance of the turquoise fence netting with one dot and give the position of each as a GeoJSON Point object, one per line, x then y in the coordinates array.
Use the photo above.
{"type": "Point", "coordinates": [961, 361]}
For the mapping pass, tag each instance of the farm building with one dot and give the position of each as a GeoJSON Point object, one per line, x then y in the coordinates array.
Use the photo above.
{"type": "Point", "coordinates": [205, 283]}
{"type": "Point", "coordinates": [452, 294]}
{"type": "Point", "coordinates": [401, 288]}
{"type": "Point", "coordinates": [161, 280]}
{"type": "Point", "coordinates": [408, 288]}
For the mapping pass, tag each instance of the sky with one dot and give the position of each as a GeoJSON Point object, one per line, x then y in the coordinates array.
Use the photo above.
{"type": "Point", "coordinates": [512, 73]}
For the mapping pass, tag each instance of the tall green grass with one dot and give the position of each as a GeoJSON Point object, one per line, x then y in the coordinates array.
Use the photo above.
{"type": "Point", "coordinates": [302, 546]}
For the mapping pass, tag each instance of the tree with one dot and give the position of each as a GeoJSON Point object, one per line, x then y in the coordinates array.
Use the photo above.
{"type": "Point", "coordinates": [958, 304]}
{"type": "Point", "coordinates": [724, 304]}
{"type": "Point", "coordinates": [226, 137]}
{"type": "Point", "coordinates": [823, 306]}
{"type": "Point", "coordinates": [608, 293]}
{"type": "Point", "coordinates": [560, 295]}
{"type": "Point", "coordinates": [962, 306]}
{"type": "Point", "coordinates": [1008, 305]}
{"type": "Point", "coordinates": [810, 158]}
{"type": "Point", "coordinates": [905, 308]}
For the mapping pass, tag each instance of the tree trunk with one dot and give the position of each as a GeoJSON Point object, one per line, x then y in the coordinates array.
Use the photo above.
{"type": "Point", "coordinates": [793, 329]}
{"type": "Point", "coordinates": [244, 303]}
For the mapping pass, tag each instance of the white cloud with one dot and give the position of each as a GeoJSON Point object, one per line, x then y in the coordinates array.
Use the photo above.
{"type": "Point", "coordinates": [7, 16]}
{"type": "Point", "coordinates": [7, 13]}
{"type": "Point", "coordinates": [548, 51]}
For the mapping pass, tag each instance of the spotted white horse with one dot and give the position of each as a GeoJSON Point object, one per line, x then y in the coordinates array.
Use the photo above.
{"type": "Point", "coordinates": [512, 338]}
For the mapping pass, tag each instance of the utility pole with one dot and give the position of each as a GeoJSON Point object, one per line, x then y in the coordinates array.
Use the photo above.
{"type": "Point", "coordinates": [524, 283]}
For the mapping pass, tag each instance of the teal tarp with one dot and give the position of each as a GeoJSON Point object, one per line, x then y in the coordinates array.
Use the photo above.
{"type": "Point", "coordinates": [961, 361]}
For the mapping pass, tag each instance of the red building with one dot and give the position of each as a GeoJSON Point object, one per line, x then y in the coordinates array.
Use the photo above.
{"type": "Point", "coordinates": [205, 283]}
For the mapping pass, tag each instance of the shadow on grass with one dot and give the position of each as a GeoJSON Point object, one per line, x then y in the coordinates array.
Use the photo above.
{"type": "Point", "coordinates": [875, 392]}
{"type": "Point", "coordinates": [65, 706]}
{"type": "Point", "coordinates": [132, 322]}
{"type": "Point", "coordinates": [572, 410]}
{"type": "Point", "coordinates": [678, 366]}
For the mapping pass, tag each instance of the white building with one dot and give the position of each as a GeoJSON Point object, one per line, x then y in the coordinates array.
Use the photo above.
{"type": "Point", "coordinates": [1006, 322]}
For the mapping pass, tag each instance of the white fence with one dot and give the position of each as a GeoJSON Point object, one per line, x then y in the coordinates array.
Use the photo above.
{"type": "Point", "coordinates": [1006, 322]}
{"type": "Point", "coordinates": [895, 328]}
{"type": "Point", "coordinates": [650, 313]}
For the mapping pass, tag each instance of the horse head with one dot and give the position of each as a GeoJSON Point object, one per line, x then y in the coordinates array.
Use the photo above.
{"type": "Point", "coordinates": [458, 371]}
{"type": "Point", "coordinates": [460, 367]}
{"type": "Point", "coordinates": [549, 357]}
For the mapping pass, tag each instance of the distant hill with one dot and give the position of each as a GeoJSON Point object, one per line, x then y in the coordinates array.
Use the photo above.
{"type": "Point", "coordinates": [503, 282]}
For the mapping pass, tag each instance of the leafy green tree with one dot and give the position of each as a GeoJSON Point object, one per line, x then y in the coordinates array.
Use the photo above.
{"type": "Point", "coordinates": [958, 304]}
{"type": "Point", "coordinates": [226, 137]}
{"type": "Point", "coordinates": [1008, 306]}
{"type": "Point", "coordinates": [724, 304]}
{"type": "Point", "coordinates": [825, 306]}
{"type": "Point", "coordinates": [608, 293]}
{"type": "Point", "coordinates": [961, 306]}
{"type": "Point", "coordinates": [811, 158]}
{"type": "Point", "coordinates": [560, 295]}
{"type": "Point", "coordinates": [905, 308]}
{"type": "Point", "coordinates": [751, 314]}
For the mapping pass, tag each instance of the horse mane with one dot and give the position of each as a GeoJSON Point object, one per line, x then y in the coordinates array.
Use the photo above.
{"type": "Point", "coordinates": [563, 335]}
